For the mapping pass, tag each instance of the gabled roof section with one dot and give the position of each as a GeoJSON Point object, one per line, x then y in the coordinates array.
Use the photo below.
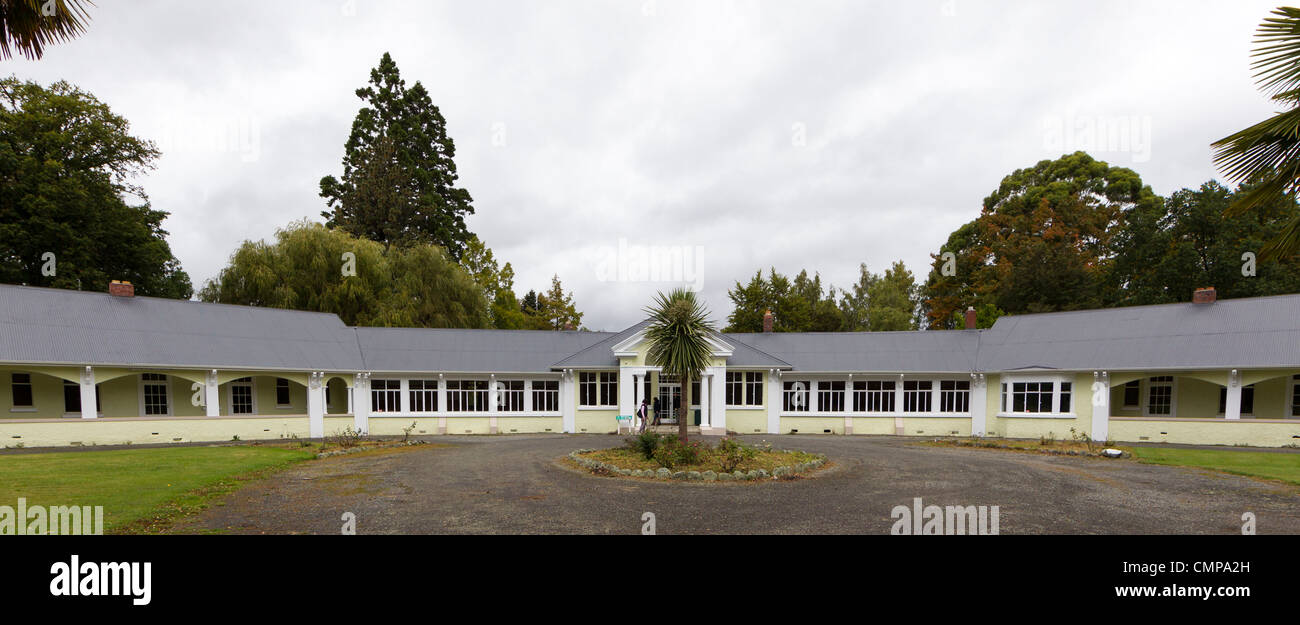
{"type": "Point", "coordinates": [869, 352]}
{"type": "Point", "coordinates": [1257, 332]}
{"type": "Point", "coordinates": [60, 326]}
{"type": "Point", "coordinates": [470, 351]}
{"type": "Point", "coordinates": [600, 354]}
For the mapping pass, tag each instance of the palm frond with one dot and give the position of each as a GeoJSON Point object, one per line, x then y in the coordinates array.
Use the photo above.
{"type": "Point", "coordinates": [1277, 52]}
{"type": "Point", "coordinates": [678, 334]}
{"type": "Point", "coordinates": [1285, 245]}
{"type": "Point", "coordinates": [24, 25]}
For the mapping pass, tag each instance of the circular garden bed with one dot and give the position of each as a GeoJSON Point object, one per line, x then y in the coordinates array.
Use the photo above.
{"type": "Point", "coordinates": [651, 456]}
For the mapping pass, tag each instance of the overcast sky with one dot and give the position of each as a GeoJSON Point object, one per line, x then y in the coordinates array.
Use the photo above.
{"type": "Point", "coordinates": [797, 135]}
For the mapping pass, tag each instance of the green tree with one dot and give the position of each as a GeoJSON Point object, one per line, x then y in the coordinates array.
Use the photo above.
{"type": "Point", "coordinates": [1043, 242]}
{"type": "Point", "coordinates": [1186, 242]}
{"type": "Point", "coordinates": [67, 165]}
{"type": "Point", "coordinates": [854, 301]}
{"type": "Point", "coordinates": [893, 302]}
{"type": "Point", "coordinates": [1267, 154]}
{"type": "Point", "coordinates": [29, 25]}
{"type": "Point", "coordinates": [399, 175]}
{"type": "Point", "coordinates": [557, 308]}
{"type": "Point", "coordinates": [678, 339]}
{"type": "Point", "coordinates": [311, 267]}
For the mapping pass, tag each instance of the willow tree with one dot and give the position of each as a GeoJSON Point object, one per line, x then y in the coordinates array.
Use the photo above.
{"type": "Point", "coordinates": [1267, 155]}
{"type": "Point", "coordinates": [678, 336]}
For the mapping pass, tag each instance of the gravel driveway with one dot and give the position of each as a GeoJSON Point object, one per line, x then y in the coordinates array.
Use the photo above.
{"type": "Point", "coordinates": [514, 484]}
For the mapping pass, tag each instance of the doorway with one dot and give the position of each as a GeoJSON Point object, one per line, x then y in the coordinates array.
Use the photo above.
{"type": "Point", "coordinates": [670, 400]}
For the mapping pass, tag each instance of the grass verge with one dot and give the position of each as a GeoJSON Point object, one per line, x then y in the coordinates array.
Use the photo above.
{"type": "Point", "coordinates": [141, 490]}
{"type": "Point", "coordinates": [1283, 467]}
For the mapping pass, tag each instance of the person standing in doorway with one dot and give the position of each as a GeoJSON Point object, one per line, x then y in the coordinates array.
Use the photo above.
{"type": "Point", "coordinates": [656, 409]}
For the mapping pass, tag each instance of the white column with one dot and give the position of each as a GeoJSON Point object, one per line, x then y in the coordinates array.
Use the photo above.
{"type": "Point", "coordinates": [625, 392]}
{"type": "Point", "coordinates": [88, 410]}
{"type": "Point", "coordinates": [979, 404]}
{"type": "Point", "coordinates": [898, 407]}
{"type": "Point", "coordinates": [361, 402]}
{"type": "Point", "coordinates": [706, 381]}
{"type": "Point", "coordinates": [718, 400]}
{"type": "Point", "coordinates": [1100, 405]}
{"type": "Point", "coordinates": [316, 405]}
{"type": "Point", "coordinates": [494, 403]}
{"type": "Point", "coordinates": [773, 401]}
{"type": "Point", "coordinates": [848, 405]}
{"type": "Point", "coordinates": [212, 395]}
{"type": "Point", "coordinates": [442, 404]}
{"type": "Point", "coordinates": [1233, 408]}
{"type": "Point", "coordinates": [636, 401]}
{"type": "Point", "coordinates": [568, 419]}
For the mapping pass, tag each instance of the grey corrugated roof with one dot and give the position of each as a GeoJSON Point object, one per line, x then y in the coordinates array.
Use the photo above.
{"type": "Point", "coordinates": [600, 354]}
{"type": "Point", "coordinates": [1253, 332]}
{"type": "Point", "coordinates": [746, 355]}
{"type": "Point", "coordinates": [478, 351]}
{"type": "Point", "coordinates": [883, 352]}
{"type": "Point", "coordinates": [39, 325]}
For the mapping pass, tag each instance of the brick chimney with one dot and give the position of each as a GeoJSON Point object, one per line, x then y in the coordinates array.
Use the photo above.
{"type": "Point", "coordinates": [120, 288]}
{"type": "Point", "coordinates": [1206, 295]}
{"type": "Point", "coordinates": [970, 318]}
{"type": "Point", "coordinates": [768, 320]}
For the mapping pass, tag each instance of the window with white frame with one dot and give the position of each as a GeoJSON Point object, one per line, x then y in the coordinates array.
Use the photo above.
{"type": "Point", "coordinates": [423, 395]}
{"type": "Point", "coordinates": [153, 386]}
{"type": "Point", "coordinates": [1037, 396]}
{"type": "Point", "coordinates": [282, 398]}
{"type": "Point", "coordinates": [385, 395]}
{"type": "Point", "coordinates": [241, 396]}
{"type": "Point", "coordinates": [20, 384]}
{"type": "Point", "coordinates": [744, 388]}
{"type": "Point", "coordinates": [510, 395]}
{"type": "Point", "coordinates": [598, 388]}
{"type": "Point", "coordinates": [918, 396]}
{"type": "Point", "coordinates": [467, 395]}
{"type": "Point", "coordinates": [794, 396]}
{"type": "Point", "coordinates": [1160, 395]}
{"type": "Point", "coordinates": [873, 396]}
{"type": "Point", "coordinates": [954, 396]}
{"type": "Point", "coordinates": [546, 395]}
{"type": "Point", "coordinates": [830, 396]}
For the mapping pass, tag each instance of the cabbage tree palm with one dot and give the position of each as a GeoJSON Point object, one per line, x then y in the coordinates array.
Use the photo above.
{"type": "Point", "coordinates": [1267, 154]}
{"type": "Point", "coordinates": [678, 336]}
{"type": "Point", "coordinates": [27, 26]}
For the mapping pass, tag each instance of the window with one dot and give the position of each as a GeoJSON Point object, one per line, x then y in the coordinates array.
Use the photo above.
{"type": "Point", "coordinates": [546, 396]}
{"type": "Point", "coordinates": [1133, 394]}
{"type": "Point", "coordinates": [510, 395]}
{"type": "Point", "coordinates": [873, 396]}
{"type": "Point", "coordinates": [241, 396]}
{"type": "Point", "coordinates": [424, 395]}
{"type": "Point", "coordinates": [1160, 395]}
{"type": "Point", "coordinates": [1295, 396]}
{"type": "Point", "coordinates": [954, 396]}
{"type": "Point", "coordinates": [385, 395]}
{"type": "Point", "coordinates": [72, 398]}
{"type": "Point", "coordinates": [830, 397]}
{"type": "Point", "coordinates": [794, 397]}
{"type": "Point", "coordinates": [598, 388]}
{"type": "Point", "coordinates": [467, 395]}
{"type": "Point", "coordinates": [1030, 396]}
{"type": "Point", "coordinates": [918, 395]}
{"type": "Point", "coordinates": [154, 388]}
{"type": "Point", "coordinates": [21, 383]}
{"type": "Point", "coordinates": [744, 388]}
{"type": "Point", "coordinates": [1064, 396]}
{"type": "Point", "coordinates": [282, 392]}
{"type": "Point", "coordinates": [1247, 400]}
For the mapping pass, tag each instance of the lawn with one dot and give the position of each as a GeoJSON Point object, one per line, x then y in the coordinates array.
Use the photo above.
{"type": "Point", "coordinates": [141, 489]}
{"type": "Point", "coordinates": [1273, 466]}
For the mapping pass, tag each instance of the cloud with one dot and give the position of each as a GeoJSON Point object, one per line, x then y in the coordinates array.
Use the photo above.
{"type": "Point", "coordinates": [770, 134]}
